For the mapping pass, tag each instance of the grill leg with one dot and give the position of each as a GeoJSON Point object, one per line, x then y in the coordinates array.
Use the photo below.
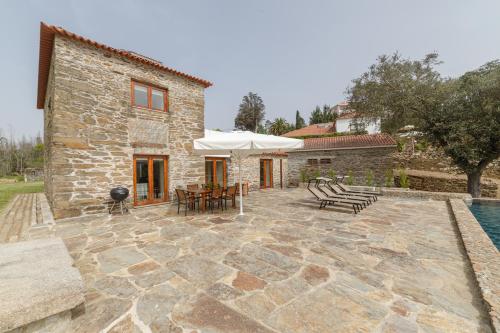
{"type": "Point", "coordinates": [113, 206]}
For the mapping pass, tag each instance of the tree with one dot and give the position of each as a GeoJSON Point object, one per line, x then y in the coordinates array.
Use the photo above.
{"type": "Point", "coordinates": [299, 121]}
{"type": "Point", "coordinates": [466, 124]}
{"type": "Point", "coordinates": [324, 115]}
{"type": "Point", "coordinates": [396, 90]}
{"type": "Point", "coordinates": [251, 113]}
{"type": "Point", "coordinates": [279, 126]}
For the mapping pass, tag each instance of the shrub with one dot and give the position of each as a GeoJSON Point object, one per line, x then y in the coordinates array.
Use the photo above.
{"type": "Point", "coordinates": [422, 145]}
{"type": "Point", "coordinates": [316, 173]}
{"type": "Point", "coordinates": [401, 145]}
{"type": "Point", "coordinates": [369, 177]}
{"type": "Point", "coordinates": [389, 178]}
{"type": "Point", "coordinates": [350, 178]}
{"type": "Point", "coordinates": [304, 177]}
{"type": "Point", "coordinates": [404, 182]}
{"type": "Point", "coordinates": [332, 174]}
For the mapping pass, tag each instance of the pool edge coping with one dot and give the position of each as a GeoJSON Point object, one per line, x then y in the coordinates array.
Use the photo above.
{"type": "Point", "coordinates": [483, 257]}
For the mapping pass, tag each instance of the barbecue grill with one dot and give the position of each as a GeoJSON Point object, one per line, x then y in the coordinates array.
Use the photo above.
{"type": "Point", "coordinates": [119, 195]}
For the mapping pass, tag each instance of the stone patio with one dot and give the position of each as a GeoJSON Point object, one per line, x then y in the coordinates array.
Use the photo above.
{"type": "Point", "coordinates": [398, 266]}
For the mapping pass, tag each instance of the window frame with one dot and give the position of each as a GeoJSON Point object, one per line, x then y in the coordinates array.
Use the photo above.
{"type": "Point", "coordinates": [149, 88]}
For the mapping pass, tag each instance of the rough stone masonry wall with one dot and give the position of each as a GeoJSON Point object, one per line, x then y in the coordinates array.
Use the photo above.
{"type": "Point", "coordinates": [95, 131]}
{"type": "Point", "coordinates": [251, 171]}
{"type": "Point", "coordinates": [359, 161]}
{"type": "Point", "coordinates": [442, 182]}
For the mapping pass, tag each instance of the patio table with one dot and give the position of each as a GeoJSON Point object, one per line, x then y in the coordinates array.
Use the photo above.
{"type": "Point", "coordinates": [201, 192]}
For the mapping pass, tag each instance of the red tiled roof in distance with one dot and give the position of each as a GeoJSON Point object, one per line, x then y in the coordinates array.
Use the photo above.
{"type": "Point", "coordinates": [349, 141]}
{"type": "Point", "coordinates": [315, 129]}
{"type": "Point", "coordinates": [47, 34]}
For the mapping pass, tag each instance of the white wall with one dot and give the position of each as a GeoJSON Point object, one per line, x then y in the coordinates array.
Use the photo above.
{"type": "Point", "coordinates": [343, 125]}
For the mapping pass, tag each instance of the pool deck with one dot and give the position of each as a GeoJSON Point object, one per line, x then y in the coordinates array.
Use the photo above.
{"type": "Point", "coordinates": [398, 266]}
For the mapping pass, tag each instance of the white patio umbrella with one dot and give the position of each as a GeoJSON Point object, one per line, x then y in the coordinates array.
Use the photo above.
{"type": "Point", "coordinates": [241, 144]}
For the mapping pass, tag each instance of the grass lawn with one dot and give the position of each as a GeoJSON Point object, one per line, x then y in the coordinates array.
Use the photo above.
{"type": "Point", "coordinates": [9, 190]}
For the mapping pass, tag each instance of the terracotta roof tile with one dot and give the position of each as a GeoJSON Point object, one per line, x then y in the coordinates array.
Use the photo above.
{"type": "Point", "coordinates": [349, 141]}
{"type": "Point", "coordinates": [315, 129]}
{"type": "Point", "coordinates": [47, 33]}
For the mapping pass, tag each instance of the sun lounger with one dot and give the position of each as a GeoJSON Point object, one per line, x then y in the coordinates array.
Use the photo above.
{"type": "Point", "coordinates": [325, 200]}
{"type": "Point", "coordinates": [333, 193]}
{"type": "Point", "coordinates": [338, 190]}
{"type": "Point", "coordinates": [345, 189]}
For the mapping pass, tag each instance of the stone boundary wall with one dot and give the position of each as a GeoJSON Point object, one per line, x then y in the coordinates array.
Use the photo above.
{"type": "Point", "coordinates": [357, 160]}
{"type": "Point", "coordinates": [426, 195]}
{"type": "Point", "coordinates": [483, 256]}
{"type": "Point", "coordinates": [442, 182]}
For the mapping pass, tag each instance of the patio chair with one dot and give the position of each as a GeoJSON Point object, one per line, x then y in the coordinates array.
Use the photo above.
{"type": "Point", "coordinates": [186, 201]}
{"type": "Point", "coordinates": [193, 187]}
{"type": "Point", "coordinates": [330, 185]}
{"type": "Point", "coordinates": [229, 194]}
{"type": "Point", "coordinates": [215, 197]}
{"type": "Point", "coordinates": [324, 200]}
{"type": "Point", "coordinates": [332, 194]}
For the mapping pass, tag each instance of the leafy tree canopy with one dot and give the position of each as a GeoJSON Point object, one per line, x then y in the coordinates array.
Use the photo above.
{"type": "Point", "coordinates": [396, 90]}
{"type": "Point", "coordinates": [319, 115]}
{"type": "Point", "coordinates": [251, 113]}
{"type": "Point", "coordinates": [279, 127]}
{"type": "Point", "coordinates": [466, 123]}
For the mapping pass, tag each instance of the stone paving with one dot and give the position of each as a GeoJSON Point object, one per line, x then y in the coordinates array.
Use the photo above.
{"type": "Point", "coordinates": [398, 266]}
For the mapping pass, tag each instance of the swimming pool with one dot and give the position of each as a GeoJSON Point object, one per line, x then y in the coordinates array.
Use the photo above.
{"type": "Point", "coordinates": [488, 215]}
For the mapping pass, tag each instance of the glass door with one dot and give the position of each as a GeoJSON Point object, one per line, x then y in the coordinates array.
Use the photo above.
{"type": "Point", "coordinates": [216, 171]}
{"type": "Point", "coordinates": [150, 179]}
{"type": "Point", "coordinates": [266, 173]}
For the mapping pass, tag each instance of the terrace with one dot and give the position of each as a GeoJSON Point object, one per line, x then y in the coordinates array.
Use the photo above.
{"type": "Point", "coordinates": [398, 266]}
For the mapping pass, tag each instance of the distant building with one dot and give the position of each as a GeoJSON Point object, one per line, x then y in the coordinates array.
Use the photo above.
{"type": "Point", "coordinates": [349, 121]}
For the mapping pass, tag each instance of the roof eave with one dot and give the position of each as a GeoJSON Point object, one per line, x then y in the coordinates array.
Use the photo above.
{"type": "Point", "coordinates": [343, 148]}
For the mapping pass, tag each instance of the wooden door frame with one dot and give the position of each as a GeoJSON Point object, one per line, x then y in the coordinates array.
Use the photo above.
{"type": "Point", "coordinates": [150, 158]}
{"type": "Point", "coordinates": [214, 169]}
{"type": "Point", "coordinates": [268, 161]}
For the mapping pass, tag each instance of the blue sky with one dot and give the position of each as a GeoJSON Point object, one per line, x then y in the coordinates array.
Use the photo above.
{"type": "Point", "coordinates": [294, 54]}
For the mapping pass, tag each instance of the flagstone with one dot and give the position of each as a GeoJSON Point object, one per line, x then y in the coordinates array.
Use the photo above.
{"type": "Point", "coordinates": [157, 303]}
{"type": "Point", "coordinates": [315, 274]}
{"type": "Point", "coordinates": [209, 315]}
{"type": "Point", "coordinates": [223, 292]}
{"type": "Point", "coordinates": [119, 257]}
{"type": "Point", "coordinates": [116, 286]}
{"type": "Point", "coordinates": [248, 282]}
{"type": "Point", "coordinates": [154, 278]}
{"type": "Point", "coordinates": [199, 271]}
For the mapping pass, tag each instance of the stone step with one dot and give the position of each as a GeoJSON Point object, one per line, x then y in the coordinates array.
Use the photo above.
{"type": "Point", "coordinates": [19, 216]}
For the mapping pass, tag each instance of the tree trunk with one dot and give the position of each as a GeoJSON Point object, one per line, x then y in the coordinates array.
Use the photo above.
{"type": "Point", "coordinates": [474, 183]}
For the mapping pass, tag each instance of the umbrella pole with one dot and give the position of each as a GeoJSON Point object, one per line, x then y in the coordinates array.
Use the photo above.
{"type": "Point", "coordinates": [241, 186]}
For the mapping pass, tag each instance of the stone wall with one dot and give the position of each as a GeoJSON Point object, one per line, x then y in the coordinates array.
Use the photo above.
{"type": "Point", "coordinates": [251, 170]}
{"type": "Point", "coordinates": [434, 159]}
{"type": "Point", "coordinates": [442, 182]}
{"type": "Point", "coordinates": [92, 131]}
{"type": "Point", "coordinates": [359, 161]}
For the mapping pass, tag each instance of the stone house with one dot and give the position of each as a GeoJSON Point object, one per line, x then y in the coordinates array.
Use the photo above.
{"type": "Point", "coordinates": [343, 154]}
{"type": "Point", "coordinates": [114, 117]}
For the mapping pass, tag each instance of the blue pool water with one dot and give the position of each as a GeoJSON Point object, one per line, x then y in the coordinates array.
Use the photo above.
{"type": "Point", "coordinates": [488, 216]}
